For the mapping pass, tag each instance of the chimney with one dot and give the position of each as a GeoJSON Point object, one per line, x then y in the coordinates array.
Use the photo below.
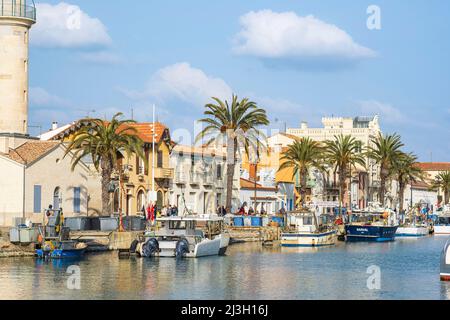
{"type": "Point", "coordinates": [54, 125]}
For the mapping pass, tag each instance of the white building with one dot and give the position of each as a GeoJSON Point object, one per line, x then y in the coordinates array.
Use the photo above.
{"type": "Point", "coordinates": [200, 185]}
{"type": "Point", "coordinates": [35, 175]}
{"type": "Point", "coordinates": [365, 181]}
{"type": "Point", "coordinates": [361, 128]}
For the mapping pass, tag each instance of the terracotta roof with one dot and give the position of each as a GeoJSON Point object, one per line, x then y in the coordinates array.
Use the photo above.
{"type": "Point", "coordinates": [144, 131]}
{"type": "Point", "coordinates": [31, 151]}
{"type": "Point", "coordinates": [290, 136]}
{"type": "Point", "coordinates": [434, 166]}
{"type": "Point", "coordinates": [420, 185]}
{"type": "Point", "coordinates": [247, 184]}
{"type": "Point", "coordinates": [198, 150]}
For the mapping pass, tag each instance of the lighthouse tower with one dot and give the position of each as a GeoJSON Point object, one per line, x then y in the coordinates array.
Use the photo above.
{"type": "Point", "coordinates": [16, 19]}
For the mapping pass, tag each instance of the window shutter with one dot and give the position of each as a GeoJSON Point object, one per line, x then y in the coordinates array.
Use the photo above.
{"type": "Point", "coordinates": [137, 164]}
{"type": "Point", "coordinates": [76, 200]}
{"type": "Point", "coordinates": [147, 158]}
{"type": "Point", "coordinates": [37, 199]}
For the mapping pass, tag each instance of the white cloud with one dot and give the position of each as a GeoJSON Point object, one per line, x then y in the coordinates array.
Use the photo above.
{"type": "Point", "coordinates": [65, 25]}
{"type": "Point", "coordinates": [183, 82]}
{"type": "Point", "coordinates": [104, 57]}
{"type": "Point", "coordinates": [272, 35]}
{"type": "Point", "coordinates": [40, 97]}
{"type": "Point", "coordinates": [387, 112]}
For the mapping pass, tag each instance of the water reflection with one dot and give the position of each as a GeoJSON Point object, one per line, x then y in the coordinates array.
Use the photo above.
{"type": "Point", "coordinates": [409, 270]}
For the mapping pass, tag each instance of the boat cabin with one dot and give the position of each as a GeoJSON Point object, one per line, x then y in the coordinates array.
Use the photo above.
{"type": "Point", "coordinates": [195, 226]}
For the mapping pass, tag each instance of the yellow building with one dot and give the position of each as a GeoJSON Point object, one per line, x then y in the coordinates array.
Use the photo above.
{"type": "Point", "coordinates": [133, 174]}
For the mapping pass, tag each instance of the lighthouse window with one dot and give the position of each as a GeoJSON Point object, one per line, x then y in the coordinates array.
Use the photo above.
{"type": "Point", "coordinates": [25, 95]}
{"type": "Point", "coordinates": [25, 62]}
{"type": "Point", "coordinates": [25, 37]}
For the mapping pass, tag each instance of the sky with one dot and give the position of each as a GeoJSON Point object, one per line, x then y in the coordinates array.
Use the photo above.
{"type": "Point", "coordinates": [299, 60]}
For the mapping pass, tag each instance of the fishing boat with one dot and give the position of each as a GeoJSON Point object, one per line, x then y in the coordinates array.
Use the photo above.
{"type": "Point", "coordinates": [371, 226]}
{"type": "Point", "coordinates": [53, 240]}
{"type": "Point", "coordinates": [445, 262]}
{"type": "Point", "coordinates": [442, 225]}
{"type": "Point", "coordinates": [188, 236]}
{"type": "Point", "coordinates": [412, 227]}
{"type": "Point", "coordinates": [62, 250]}
{"type": "Point", "coordinates": [305, 230]}
{"type": "Point", "coordinates": [412, 231]}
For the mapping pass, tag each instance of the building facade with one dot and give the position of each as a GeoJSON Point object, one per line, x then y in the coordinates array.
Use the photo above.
{"type": "Point", "coordinates": [364, 182]}
{"type": "Point", "coordinates": [36, 174]}
{"type": "Point", "coordinates": [200, 182]}
{"type": "Point", "coordinates": [136, 182]}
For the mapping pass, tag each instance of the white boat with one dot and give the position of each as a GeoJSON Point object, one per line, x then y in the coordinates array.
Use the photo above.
{"type": "Point", "coordinates": [445, 263]}
{"type": "Point", "coordinates": [305, 231]}
{"type": "Point", "coordinates": [412, 231]}
{"type": "Point", "coordinates": [442, 225]}
{"type": "Point", "coordinates": [189, 236]}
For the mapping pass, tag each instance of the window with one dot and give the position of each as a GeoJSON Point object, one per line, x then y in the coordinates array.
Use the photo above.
{"type": "Point", "coordinates": [56, 198]}
{"type": "Point", "coordinates": [160, 159]}
{"type": "Point", "coordinates": [140, 201]}
{"type": "Point", "coordinates": [219, 172]}
{"type": "Point", "coordinates": [77, 200]}
{"type": "Point", "coordinates": [37, 199]}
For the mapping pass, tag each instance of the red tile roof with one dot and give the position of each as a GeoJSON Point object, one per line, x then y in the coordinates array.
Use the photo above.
{"type": "Point", "coordinates": [434, 166]}
{"type": "Point", "coordinates": [247, 184]}
{"type": "Point", "coordinates": [31, 151]}
{"type": "Point", "coordinates": [144, 131]}
{"type": "Point", "coordinates": [420, 185]}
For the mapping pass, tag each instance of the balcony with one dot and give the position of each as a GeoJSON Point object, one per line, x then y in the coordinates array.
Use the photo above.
{"type": "Point", "coordinates": [164, 173]}
{"type": "Point", "coordinates": [8, 8]}
{"type": "Point", "coordinates": [180, 178]}
{"type": "Point", "coordinates": [195, 178]}
{"type": "Point", "coordinates": [208, 178]}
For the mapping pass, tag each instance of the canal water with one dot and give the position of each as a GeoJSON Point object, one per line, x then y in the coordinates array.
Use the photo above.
{"type": "Point", "coordinates": [408, 269]}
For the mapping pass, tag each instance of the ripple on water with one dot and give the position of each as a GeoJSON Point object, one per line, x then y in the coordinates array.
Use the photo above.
{"type": "Point", "coordinates": [409, 270]}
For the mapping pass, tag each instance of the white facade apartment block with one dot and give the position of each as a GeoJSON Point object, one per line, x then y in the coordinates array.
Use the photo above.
{"type": "Point", "coordinates": [200, 183]}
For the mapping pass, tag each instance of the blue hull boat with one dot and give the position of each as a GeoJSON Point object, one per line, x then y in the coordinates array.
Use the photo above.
{"type": "Point", "coordinates": [61, 250]}
{"type": "Point", "coordinates": [370, 233]}
{"type": "Point", "coordinates": [61, 253]}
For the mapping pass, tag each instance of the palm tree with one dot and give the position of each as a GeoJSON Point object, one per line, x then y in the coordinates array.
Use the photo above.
{"type": "Point", "coordinates": [385, 150]}
{"type": "Point", "coordinates": [302, 156]}
{"type": "Point", "coordinates": [103, 142]}
{"type": "Point", "coordinates": [405, 171]}
{"type": "Point", "coordinates": [342, 154]}
{"type": "Point", "coordinates": [442, 181]}
{"type": "Point", "coordinates": [237, 125]}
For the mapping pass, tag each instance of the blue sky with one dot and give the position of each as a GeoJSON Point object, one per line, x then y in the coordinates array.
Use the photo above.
{"type": "Point", "coordinates": [111, 56]}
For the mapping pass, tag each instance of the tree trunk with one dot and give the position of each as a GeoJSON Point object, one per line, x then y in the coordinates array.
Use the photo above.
{"type": "Point", "coordinates": [383, 178]}
{"type": "Point", "coordinates": [401, 196]}
{"type": "Point", "coordinates": [303, 187]}
{"type": "Point", "coordinates": [106, 180]}
{"type": "Point", "coordinates": [341, 189]}
{"type": "Point", "coordinates": [446, 196]}
{"type": "Point", "coordinates": [231, 164]}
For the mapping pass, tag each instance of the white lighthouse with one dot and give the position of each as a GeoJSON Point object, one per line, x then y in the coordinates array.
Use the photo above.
{"type": "Point", "coordinates": [16, 19]}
